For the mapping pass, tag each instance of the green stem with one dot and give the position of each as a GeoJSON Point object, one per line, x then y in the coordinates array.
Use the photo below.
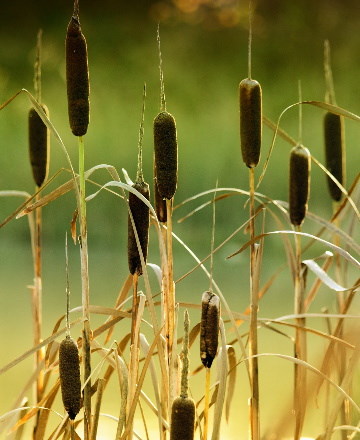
{"type": "Point", "coordinates": [85, 292]}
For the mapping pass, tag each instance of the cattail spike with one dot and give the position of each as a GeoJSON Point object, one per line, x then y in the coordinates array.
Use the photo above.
{"type": "Point", "coordinates": [299, 184]}
{"type": "Point", "coordinates": [334, 152]}
{"type": "Point", "coordinates": [209, 327]}
{"type": "Point", "coordinates": [166, 154]}
{"type": "Point", "coordinates": [250, 96]}
{"type": "Point", "coordinates": [139, 215]}
{"type": "Point", "coordinates": [185, 357]}
{"type": "Point", "coordinates": [69, 369]}
{"type": "Point", "coordinates": [77, 76]}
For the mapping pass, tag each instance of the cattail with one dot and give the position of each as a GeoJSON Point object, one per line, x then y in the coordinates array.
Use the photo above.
{"type": "Point", "coordinates": [77, 76]}
{"type": "Point", "coordinates": [39, 142]}
{"type": "Point", "coordinates": [140, 214]}
{"type": "Point", "coordinates": [182, 419]}
{"type": "Point", "coordinates": [250, 121]}
{"type": "Point", "coordinates": [166, 155]}
{"type": "Point", "coordinates": [299, 183]}
{"type": "Point", "coordinates": [209, 327]}
{"type": "Point", "coordinates": [160, 203]}
{"type": "Point", "coordinates": [69, 368]}
{"type": "Point", "coordinates": [334, 152]}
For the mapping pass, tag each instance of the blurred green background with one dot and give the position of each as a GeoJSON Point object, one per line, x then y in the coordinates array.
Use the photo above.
{"type": "Point", "coordinates": [204, 49]}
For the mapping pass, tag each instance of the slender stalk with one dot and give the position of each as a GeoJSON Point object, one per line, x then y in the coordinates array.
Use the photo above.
{"type": "Point", "coordinates": [170, 295]}
{"type": "Point", "coordinates": [253, 339]}
{"type": "Point", "coordinates": [85, 293]}
{"type": "Point", "coordinates": [300, 343]}
{"type": "Point", "coordinates": [206, 403]}
{"type": "Point", "coordinates": [37, 297]}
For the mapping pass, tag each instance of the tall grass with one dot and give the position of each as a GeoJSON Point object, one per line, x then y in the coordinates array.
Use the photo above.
{"type": "Point", "coordinates": [138, 351]}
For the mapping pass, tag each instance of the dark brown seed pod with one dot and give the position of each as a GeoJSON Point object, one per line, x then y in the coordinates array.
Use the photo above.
{"type": "Point", "coordinates": [39, 145]}
{"type": "Point", "coordinates": [209, 327]}
{"type": "Point", "coordinates": [69, 368]}
{"type": "Point", "coordinates": [334, 152]}
{"type": "Point", "coordinates": [160, 203]}
{"type": "Point", "coordinates": [140, 214]}
{"type": "Point", "coordinates": [299, 183]}
{"type": "Point", "coordinates": [182, 419]}
{"type": "Point", "coordinates": [77, 78]}
{"type": "Point", "coordinates": [250, 121]}
{"type": "Point", "coordinates": [166, 154]}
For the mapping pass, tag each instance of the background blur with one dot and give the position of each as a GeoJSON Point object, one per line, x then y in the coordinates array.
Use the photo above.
{"type": "Point", "coordinates": [204, 49]}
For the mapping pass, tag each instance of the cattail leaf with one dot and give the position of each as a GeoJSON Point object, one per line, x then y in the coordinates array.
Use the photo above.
{"type": "Point", "coordinates": [333, 247]}
{"type": "Point", "coordinates": [158, 272]}
{"type": "Point", "coordinates": [222, 378]}
{"type": "Point", "coordinates": [140, 383]}
{"type": "Point", "coordinates": [232, 363]}
{"type": "Point", "coordinates": [333, 109]}
{"type": "Point", "coordinates": [324, 277]}
{"type": "Point", "coordinates": [145, 348]}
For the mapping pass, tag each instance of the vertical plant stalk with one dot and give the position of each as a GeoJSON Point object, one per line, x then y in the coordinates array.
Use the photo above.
{"type": "Point", "coordinates": [206, 403]}
{"type": "Point", "coordinates": [170, 297]}
{"type": "Point", "coordinates": [85, 292]}
{"type": "Point", "coordinates": [300, 343]}
{"type": "Point", "coordinates": [335, 150]}
{"type": "Point", "coordinates": [37, 290]}
{"type": "Point", "coordinates": [253, 338]}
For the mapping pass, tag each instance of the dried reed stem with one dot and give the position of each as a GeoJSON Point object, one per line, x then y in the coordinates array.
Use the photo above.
{"type": "Point", "coordinates": [85, 292]}
{"type": "Point", "coordinates": [253, 339]}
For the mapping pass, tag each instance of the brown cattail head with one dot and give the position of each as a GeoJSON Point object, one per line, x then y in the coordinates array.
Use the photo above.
{"type": "Point", "coordinates": [334, 152]}
{"type": "Point", "coordinates": [160, 203]}
{"type": "Point", "coordinates": [299, 183]}
{"type": "Point", "coordinates": [182, 419]}
{"type": "Point", "coordinates": [140, 214]}
{"type": "Point", "coordinates": [69, 368]}
{"type": "Point", "coordinates": [209, 327]}
{"type": "Point", "coordinates": [39, 144]}
{"type": "Point", "coordinates": [250, 121]}
{"type": "Point", "coordinates": [77, 77]}
{"type": "Point", "coordinates": [166, 154]}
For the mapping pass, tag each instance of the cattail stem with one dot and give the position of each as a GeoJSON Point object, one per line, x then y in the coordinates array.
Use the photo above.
{"type": "Point", "coordinates": [85, 291]}
{"type": "Point", "coordinates": [300, 343]}
{"type": "Point", "coordinates": [170, 294]}
{"type": "Point", "coordinates": [37, 298]}
{"type": "Point", "coordinates": [207, 402]}
{"type": "Point", "coordinates": [253, 339]}
{"type": "Point", "coordinates": [135, 306]}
